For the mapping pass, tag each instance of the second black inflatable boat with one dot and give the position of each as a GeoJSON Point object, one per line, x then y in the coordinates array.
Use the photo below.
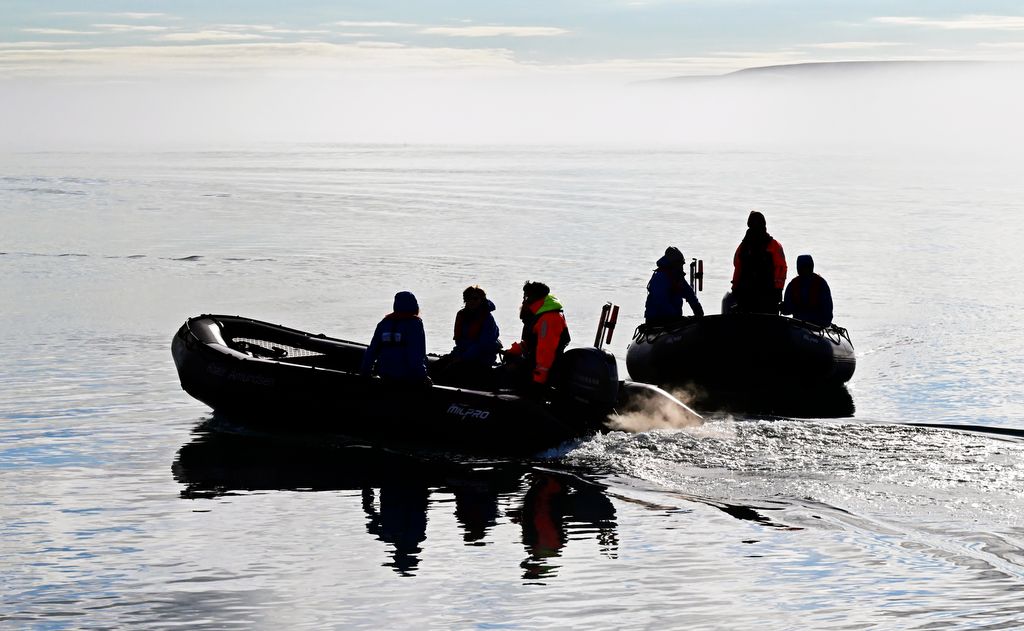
{"type": "Point", "coordinates": [737, 356]}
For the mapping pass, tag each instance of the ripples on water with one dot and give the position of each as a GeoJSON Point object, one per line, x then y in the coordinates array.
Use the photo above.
{"type": "Point", "coordinates": [122, 506]}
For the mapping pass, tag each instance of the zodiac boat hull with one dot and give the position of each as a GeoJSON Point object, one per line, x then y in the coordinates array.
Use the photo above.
{"type": "Point", "coordinates": [744, 354]}
{"type": "Point", "coordinates": [289, 380]}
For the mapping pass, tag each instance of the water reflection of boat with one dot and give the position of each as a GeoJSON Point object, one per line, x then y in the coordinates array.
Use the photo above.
{"type": "Point", "coordinates": [749, 362]}
{"type": "Point", "coordinates": [284, 379]}
{"type": "Point", "coordinates": [399, 490]}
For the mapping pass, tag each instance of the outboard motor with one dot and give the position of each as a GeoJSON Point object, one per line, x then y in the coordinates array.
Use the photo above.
{"type": "Point", "coordinates": [591, 376]}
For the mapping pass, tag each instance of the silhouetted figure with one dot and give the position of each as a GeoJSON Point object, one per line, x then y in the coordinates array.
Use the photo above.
{"type": "Point", "coordinates": [759, 269]}
{"type": "Point", "coordinates": [808, 296]}
{"type": "Point", "coordinates": [667, 290]}
{"type": "Point", "coordinates": [476, 343]}
{"type": "Point", "coordinates": [398, 350]}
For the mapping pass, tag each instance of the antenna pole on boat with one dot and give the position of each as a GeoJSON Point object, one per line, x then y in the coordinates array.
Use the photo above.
{"type": "Point", "coordinates": [697, 274]}
{"type": "Point", "coordinates": [606, 325]}
{"type": "Point", "coordinates": [610, 325]}
{"type": "Point", "coordinates": [605, 310]}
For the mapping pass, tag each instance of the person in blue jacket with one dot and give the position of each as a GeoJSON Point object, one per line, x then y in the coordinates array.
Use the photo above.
{"type": "Point", "coordinates": [808, 296]}
{"type": "Point", "coordinates": [668, 288]}
{"type": "Point", "coordinates": [398, 349]}
{"type": "Point", "coordinates": [476, 342]}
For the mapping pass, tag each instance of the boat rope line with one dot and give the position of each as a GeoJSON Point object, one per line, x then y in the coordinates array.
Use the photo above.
{"type": "Point", "coordinates": [646, 333]}
{"type": "Point", "coordinates": [836, 334]}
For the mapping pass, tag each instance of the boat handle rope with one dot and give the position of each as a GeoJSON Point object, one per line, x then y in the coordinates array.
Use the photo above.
{"type": "Point", "coordinates": [643, 333]}
{"type": "Point", "coordinates": [648, 334]}
{"type": "Point", "coordinates": [838, 332]}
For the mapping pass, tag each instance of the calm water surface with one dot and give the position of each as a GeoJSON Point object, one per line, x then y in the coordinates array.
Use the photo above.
{"type": "Point", "coordinates": [124, 503]}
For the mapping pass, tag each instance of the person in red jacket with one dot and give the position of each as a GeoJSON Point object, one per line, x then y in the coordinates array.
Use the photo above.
{"type": "Point", "coordinates": [759, 269]}
{"type": "Point", "coordinates": [545, 334]}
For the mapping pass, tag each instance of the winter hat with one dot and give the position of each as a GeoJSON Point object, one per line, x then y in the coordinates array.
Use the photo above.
{"type": "Point", "coordinates": [533, 291]}
{"type": "Point", "coordinates": [474, 291]}
{"type": "Point", "coordinates": [804, 262]}
{"type": "Point", "coordinates": [756, 219]}
{"type": "Point", "coordinates": [405, 302]}
{"type": "Point", "coordinates": [673, 255]}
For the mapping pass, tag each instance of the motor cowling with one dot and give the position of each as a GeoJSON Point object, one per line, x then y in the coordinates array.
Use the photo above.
{"type": "Point", "coordinates": [591, 376]}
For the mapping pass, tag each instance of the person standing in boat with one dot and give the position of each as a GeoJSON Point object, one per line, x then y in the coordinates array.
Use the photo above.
{"type": "Point", "coordinates": [476, 342]}
{"type": "Point", "coordinates": [398, 349]}
{"type": "Point", "coordinates": [545, 336]}
{"type": "Point", "coordinates": [759, 269]}
{"type": "Point", "coordinates": [668, 288]}
{"type": "Point", "coordinates": [808, 296]}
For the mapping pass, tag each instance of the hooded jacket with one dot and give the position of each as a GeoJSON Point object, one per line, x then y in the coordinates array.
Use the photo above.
{"type": "Point", "coordinates": [809, 298]}
{"type": "Point", "coordinates": [398, 349]}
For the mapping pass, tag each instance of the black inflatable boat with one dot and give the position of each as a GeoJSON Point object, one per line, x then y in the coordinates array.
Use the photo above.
{"type": "Point", "coordinates": [284, 379]}
{"type": "Point", "coordinates": [749, 354]}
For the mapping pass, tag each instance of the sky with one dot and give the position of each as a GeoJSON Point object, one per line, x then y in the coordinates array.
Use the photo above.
{"type": "Point", "coordinates": [205, 63]}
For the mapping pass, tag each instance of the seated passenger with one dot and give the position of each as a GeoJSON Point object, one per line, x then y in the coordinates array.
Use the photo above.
{"type": "Point", "coordinates": [476, 342]}
{"type": "Point", "coordinates": [545, 336]}
{"type": "Point", "coordinates": [668, 288]}
{"type": "Point", "coordinates": [808, 296]}
{"type": "Point", "coordinates": [398, 349]}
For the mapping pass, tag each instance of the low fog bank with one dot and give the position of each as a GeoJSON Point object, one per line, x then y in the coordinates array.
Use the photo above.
{"type": "Point", "coordinates": [970, 106]}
